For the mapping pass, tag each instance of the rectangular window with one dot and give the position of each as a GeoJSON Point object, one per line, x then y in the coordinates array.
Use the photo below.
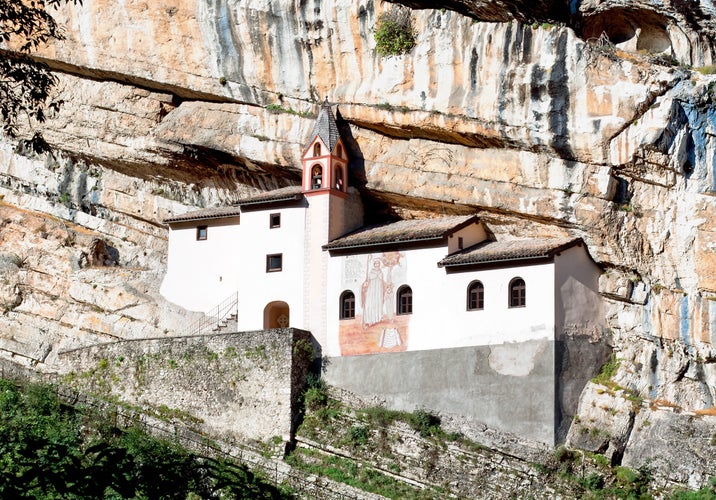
{"type": "Point", "coordinates": [274, 262]}
{"type": "Point", "coordinates": [201, 233]}
{"type": "Point", "coordinates": [459, 242]}
{"type": "Point", "coordinates": [274, 220]}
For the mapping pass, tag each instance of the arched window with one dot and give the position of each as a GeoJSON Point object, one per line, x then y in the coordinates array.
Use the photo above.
{"type": "Point", "coordinates": [475, 296]}
{"type": "Point", "coordinates": [316, 177]}
{"type": "Point", "coordinates": [339, 178]}
{"type": "Point", "coordinates": [348, 305]}
{"type": "Point", "coordinates": [517, 293]}
{"type": "Point", "coordinates": [317, 149]}
{"type": "Point", "coordinates": [405, 300]}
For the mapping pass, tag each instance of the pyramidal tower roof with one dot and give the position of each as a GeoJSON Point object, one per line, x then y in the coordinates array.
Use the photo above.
{"type": "Point", "coordinates": [326, 127]}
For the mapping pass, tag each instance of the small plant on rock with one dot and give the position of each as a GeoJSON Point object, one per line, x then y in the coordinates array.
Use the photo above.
{"type": "Point", "coordinates": [425, 423]}
{"type": "Point", "coordinates": [316, 395]}
{"type": "Point", "coordinates": [609, 369]}
{"type": "Point", "coordinates": [358, 435]}
{"type": "Point", "coordinates": [394, 33]}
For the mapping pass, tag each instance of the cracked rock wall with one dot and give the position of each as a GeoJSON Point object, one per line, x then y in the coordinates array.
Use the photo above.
{"type": "Point", "coordinates": [517, 111]}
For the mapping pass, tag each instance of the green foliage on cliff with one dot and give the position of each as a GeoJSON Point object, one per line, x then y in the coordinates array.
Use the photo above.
{"type": "Point", "coordinates": [394, 33]}
{"type": "Point", "coordinates": [607, 372]}
{"type": "Point", "coordinates": [26, 85]}
{"type": "Point", "coordinates": [49, 450]}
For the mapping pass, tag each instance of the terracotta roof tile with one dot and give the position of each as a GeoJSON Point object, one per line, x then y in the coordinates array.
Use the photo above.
{"type": "Point", "coordinates": [282, 194]}
{"type": "Point", "coordinates": [509, 250]}
{"type": "Point", "coordinates": [403, 231]}
{"type": "Point", "coordinates": [277, 195]}
{"type": "Point", "coordinates": [205, 213]}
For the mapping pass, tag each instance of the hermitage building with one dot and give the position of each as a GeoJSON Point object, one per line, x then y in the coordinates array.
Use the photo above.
{"type": "Point", "coordinates": [432, 313]}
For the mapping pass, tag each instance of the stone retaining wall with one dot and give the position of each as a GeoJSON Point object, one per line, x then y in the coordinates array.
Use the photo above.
{"type": "Point", "coordinates": [245, 385]}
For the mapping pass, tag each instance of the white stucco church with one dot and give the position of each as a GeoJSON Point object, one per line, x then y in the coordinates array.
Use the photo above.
{"type": "Point", "coordinates": [302, 257]}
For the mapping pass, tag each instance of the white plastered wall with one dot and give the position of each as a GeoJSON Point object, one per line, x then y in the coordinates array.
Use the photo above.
{"type": "Point", "coordinates": [256, 287]}
{"type": "Point", "coordinates": [471, 235]}
{"type": "Point", "coordinates": [440, 318]}
{"type": "Point", "coordinates": [444, 321]}
{"type": "Point", "coordinates": [202, 273]}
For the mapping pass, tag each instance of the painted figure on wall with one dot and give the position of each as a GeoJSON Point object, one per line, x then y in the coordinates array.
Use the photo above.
{"type": "Point", "coordinates": [373, 295]}
{"type": "Point", "coordinates": [375, 327]}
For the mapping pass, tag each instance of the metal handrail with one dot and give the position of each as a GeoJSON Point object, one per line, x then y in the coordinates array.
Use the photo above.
{"type": "Point", "coordinates": [225, 310]}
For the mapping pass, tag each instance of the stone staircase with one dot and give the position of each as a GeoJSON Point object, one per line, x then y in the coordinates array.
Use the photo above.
{"type": "Point", "coordinates": [230, 324]}
{"type": "Point", "coordinates": [220, 319]}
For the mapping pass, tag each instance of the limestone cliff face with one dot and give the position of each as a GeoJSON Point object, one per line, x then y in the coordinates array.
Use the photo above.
{"type": "Point", "coordinates": [520, 111]}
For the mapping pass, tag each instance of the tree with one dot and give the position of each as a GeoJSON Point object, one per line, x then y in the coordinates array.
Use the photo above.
{"type": "Point", "coordinates": [25, 83]}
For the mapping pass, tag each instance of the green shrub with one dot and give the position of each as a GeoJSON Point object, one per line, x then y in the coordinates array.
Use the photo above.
{"type": "Point", "coordinates": [380, 416]}
{"type": "Point", "coordinates": [563, 455]}
{"type": "Point", "coordinates": [315, 398]}
{"type": "Point", "coordinates": [394, 33]}
{"type": "Point", "coordinates": [633, 483]}
{"type": "Point", "coordinates": [358, 434]}
{"type": "Point", "coordinates": [49, 450]}
{"type": "Point", "coordinates": [425, 423]}
{"type": "Point", "coordinates": [593, 482]}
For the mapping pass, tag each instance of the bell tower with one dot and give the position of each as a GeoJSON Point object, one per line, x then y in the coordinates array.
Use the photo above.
{"type": "Point", "coordinates": [332, 211]}
{"type": "Point", "coordinates": [324, 161]}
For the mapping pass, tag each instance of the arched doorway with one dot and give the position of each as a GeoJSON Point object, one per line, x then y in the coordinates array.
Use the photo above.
{"type": "Point", "coordinates": [276, 315]}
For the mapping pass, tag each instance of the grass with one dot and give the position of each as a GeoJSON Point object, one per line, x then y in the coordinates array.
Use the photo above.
{"type": "Point", "coordinates": [358, 475]}
{"type": "Point", "coordinates": [277, 108]}
{"type": "Point", "coordinates": [607, 372]}
{"type": "Point", "coordinates": [706, 70]}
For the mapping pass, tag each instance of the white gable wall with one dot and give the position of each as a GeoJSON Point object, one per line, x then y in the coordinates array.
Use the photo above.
{"type": "Point", "coordinates": [201, 274]}
{"type": "Point", "coordinates": [471, 235]}
{"type": "Point", "coordinates": [256, 287]}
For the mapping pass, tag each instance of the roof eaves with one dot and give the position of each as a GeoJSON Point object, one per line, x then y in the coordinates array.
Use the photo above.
{"type": "Point", "coordinates": [292, 197]}
{"type": "Point", "coordinates": [180, 218]}
{"type": "Point", "coordinates": [383, 243]}
{"type": "Point", "coordinates": [494, 261]}
{"type": "Point", "coordinates": [565, 246]}
{"type": "Point", "coordinates": [547, 254]}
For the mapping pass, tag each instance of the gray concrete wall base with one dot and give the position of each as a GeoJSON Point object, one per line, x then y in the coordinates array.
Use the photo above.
{"type": "Point", "coordinates": [509, 387]}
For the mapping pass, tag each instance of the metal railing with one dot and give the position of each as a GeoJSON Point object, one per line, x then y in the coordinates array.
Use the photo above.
{"type": "Point", "coordinates": [216, 318]}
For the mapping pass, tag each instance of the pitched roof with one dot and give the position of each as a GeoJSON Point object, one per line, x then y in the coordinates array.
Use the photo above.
{"type": "Point", "coordinates": [510, 250]}
{"type": "Point", "coordinates": [326, 127]}
{"type": "Point", "coordinates": [205, 213]}
{"type": "Point", "coordinates": [283, 194]}
{"type": "Point", "coordinates": [404, 231]}
{"type": "Point", "coordinates": [277, 195]}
